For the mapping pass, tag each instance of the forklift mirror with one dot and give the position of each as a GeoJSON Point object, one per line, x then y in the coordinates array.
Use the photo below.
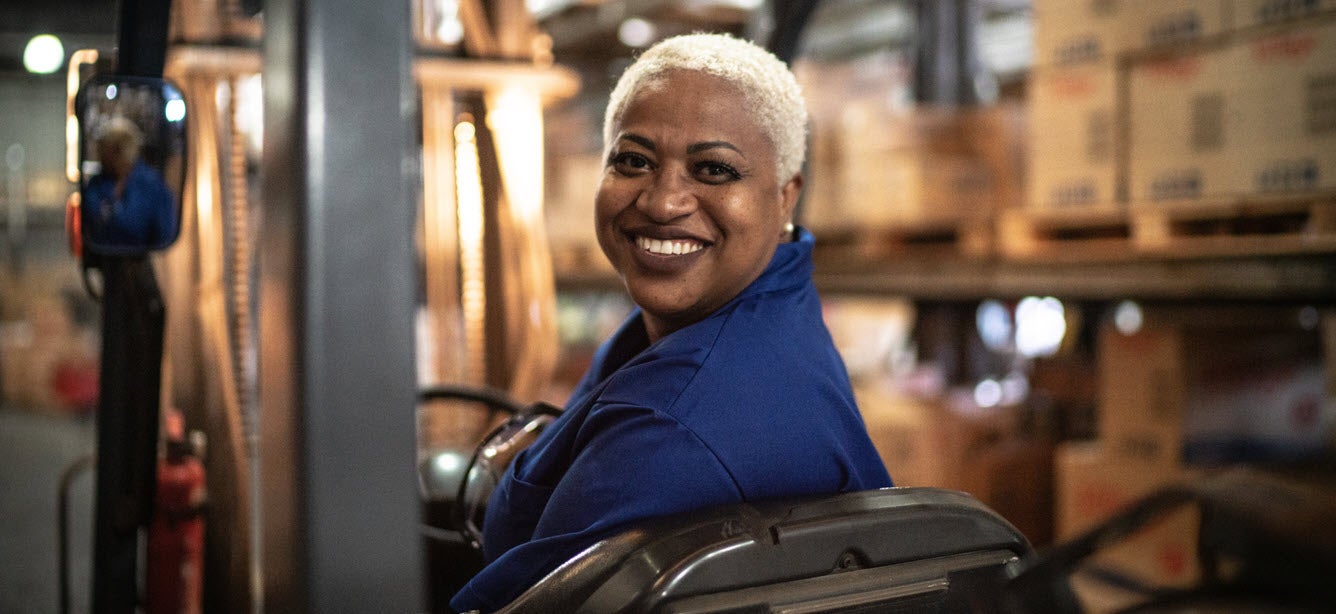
{"type": "Point", "coordinates": [132, 150]}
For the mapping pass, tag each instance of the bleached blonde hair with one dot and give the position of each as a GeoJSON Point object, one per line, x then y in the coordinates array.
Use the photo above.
{"type": "Point", "coordinates": [122, 137]}
{"type": "Point", "coordinates": [768, 86]}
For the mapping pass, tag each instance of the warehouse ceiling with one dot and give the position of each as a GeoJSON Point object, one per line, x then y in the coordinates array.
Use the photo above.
{"type": "Point", "coordinates": [79, 23]}
{"type": "Point", "coordinates": [592, 32]}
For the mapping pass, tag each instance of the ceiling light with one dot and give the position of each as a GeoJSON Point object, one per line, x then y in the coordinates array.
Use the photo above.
{"type": "Point", "coordinates": [44, 54]}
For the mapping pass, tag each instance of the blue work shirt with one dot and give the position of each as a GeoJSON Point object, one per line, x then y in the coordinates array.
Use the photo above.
{"type": "Point", "coordinates": [142, 216]}
{"type": "Point", "coordinates": [751, 403]}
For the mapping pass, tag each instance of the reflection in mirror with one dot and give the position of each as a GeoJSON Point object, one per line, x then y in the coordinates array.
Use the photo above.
{"type": "Point", "coordinates": [132, 164]}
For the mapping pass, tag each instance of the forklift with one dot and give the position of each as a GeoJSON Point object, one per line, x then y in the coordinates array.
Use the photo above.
{"type": "Point", "coordinates": [338, 518]}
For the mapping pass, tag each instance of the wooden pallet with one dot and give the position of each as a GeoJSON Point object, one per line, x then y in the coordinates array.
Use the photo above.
{"type": "Point", "coordinates": [1255, 226]}
{"type": "Point", "coordinates": [1095, 233]}
{"type": "Point", "coordinates": [967, 238]}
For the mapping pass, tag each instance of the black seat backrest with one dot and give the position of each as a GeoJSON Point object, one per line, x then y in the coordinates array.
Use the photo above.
{"type": "Point", "coordinates": [919, 549]}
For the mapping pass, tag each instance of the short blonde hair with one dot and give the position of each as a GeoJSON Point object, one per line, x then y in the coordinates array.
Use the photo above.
{"type": "Point", "coordinates": [122, 137]}
{"type": "Point", "coordinates": [767, 84]}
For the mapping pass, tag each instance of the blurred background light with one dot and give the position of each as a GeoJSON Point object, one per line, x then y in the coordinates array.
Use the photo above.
{"type": "Point", "coordinates": [1127, 317]}
{"type": "Point", "coordinates": [44, 54]}
{"type": "Point", "coordinates": [993, 320]}
{"type": "Point", "coordinates": [635, 32]}
{"type": "Point", "coordinates": [1309, 318]}
{"type": "Point", "coordinates": [1040, 326]}
{"type": "Point", "coordinates": [448, 462]}
{"type": "Point", "coordinates": [174, 110]}
{"type": "Point", "coordinates": [1015, 388]}
{"type": "Point", "coordinates": [988, 393]}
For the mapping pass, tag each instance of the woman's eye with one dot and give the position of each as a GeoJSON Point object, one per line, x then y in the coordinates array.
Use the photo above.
{"type": "Point", "coordinates": [627, 162]}
{"type": "Point", "coordinates": [717, 172]}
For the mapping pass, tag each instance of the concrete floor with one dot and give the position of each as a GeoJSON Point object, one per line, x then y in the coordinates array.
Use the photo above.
{"type": "Point", "coordinates": [35, 450]}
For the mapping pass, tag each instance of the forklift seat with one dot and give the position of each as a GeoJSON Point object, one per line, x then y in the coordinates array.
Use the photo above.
{"type": "Point", "coordinates": [895, 549]}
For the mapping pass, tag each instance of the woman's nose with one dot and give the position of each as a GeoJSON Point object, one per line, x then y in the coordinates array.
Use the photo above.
{"type": "Point", "coordinates": [668, 197]}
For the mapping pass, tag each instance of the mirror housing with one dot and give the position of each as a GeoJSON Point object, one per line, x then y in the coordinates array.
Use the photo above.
{"type": "Point", "coordinates": [132, 162]}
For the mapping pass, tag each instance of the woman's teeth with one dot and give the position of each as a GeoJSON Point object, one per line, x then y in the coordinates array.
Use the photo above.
{"type": "Point", "coordinates": [655, 246]}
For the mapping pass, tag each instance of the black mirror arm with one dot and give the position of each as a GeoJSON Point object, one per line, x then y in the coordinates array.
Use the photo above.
{"type": "Point", "coordinates": [142, 50]}
{"type": "Point", "coordinates": [131, 367]}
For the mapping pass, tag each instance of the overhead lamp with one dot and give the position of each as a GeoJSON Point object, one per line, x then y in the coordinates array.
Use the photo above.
{"type": "Point", "coordinates": [44, 54]}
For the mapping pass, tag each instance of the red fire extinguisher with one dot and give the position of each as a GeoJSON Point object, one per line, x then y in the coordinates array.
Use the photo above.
{"type": "Point", "coordinates": [175, 575]}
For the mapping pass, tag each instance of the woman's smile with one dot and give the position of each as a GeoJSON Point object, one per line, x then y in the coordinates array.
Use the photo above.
{"type": "Point", "coordinates": [668, 247]}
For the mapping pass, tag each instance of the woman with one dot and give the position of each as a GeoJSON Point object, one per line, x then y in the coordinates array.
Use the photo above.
{"type": "Point", "coordinates": [127, 205]}
{"type": "Point", "coordinates": [724, 385]}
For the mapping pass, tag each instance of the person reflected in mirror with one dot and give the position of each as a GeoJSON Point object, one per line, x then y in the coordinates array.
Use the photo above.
{"type": "Point", "coordinates": [723, 386]}
{"type": "Point", "coordinates": [127, 204]}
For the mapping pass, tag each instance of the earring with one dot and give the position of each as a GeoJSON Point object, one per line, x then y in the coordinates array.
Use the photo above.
{"type": "Point", "coordinates": [788, 228]}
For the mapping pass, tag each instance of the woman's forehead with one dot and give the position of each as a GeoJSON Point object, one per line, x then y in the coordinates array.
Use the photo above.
{"type": "Point", "coordinates": [693, 105]}
{"type": "Point", "coordinates": [681, 79]}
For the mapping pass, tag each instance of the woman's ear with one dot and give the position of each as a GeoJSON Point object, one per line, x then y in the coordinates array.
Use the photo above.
{"type": "Point", "coordinates": [788, 194]}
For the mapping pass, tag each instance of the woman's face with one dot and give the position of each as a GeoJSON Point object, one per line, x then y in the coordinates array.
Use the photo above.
{"type": "Point", "coordinates": [690, 209]}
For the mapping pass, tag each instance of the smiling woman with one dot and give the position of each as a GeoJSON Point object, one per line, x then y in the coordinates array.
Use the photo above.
{"type": "Point", "coordinates": [724, 385]}
{"type": "Point", "coordinates": [690, 209]}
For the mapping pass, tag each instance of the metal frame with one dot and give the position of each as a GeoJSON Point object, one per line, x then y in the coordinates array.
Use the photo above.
{"type": "Point", "coordinates": [337, 298]}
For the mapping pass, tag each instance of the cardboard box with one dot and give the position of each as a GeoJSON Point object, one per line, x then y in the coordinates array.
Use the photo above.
{"type": "Point", "coordinates": [1072, 127]}
{"type": "Point", "coordinates": [1015, 479]}
{"type": "Point", "coordinates": [932, 442]}
{"type": "Point", "coordinates": [822, 200]}
{"type": "Point", "coordinates": [1068, 32]}
{"type": "Point", "coordinates": [1000, 135]}
{"type": "Point", "coordinates": [872, 334]}
{"type": "Point", "coordinates": [1287, 107]}
{"type": "Point", "coordinates": [1144, 25]}
{"type": "Point", "coordinates": [1077, 31]}
{"type": "Point", "coordinates": [1093, 484]}
{"type": "Point", "coordinates": [1174, 393]}
{"type": "Point", "coordinates": [1250, 13]}
{"type": "Point", "coordinates": [866, 98]}
{"type": "Point", "coordinates": [881, 165]}
{"type": "Point", "coordinates": [1184, 132]}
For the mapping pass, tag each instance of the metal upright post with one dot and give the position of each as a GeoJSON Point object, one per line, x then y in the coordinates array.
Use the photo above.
{"type": "Point", "coordinates": [130, 378]}
{"type": "Point", "coordinates": [337, 295]}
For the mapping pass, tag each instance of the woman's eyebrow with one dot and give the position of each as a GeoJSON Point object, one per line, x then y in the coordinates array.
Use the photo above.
{"type": "Point", "coordinates": [639, 140]}
{"type": "Point", "coordinates": [695, 147]}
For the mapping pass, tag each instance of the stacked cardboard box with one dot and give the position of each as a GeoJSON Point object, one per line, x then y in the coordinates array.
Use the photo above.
{"type": "Point", "coordinates": [1287, 108]}
{"type": "Point", "coordinates": [1183, 394]}
{"type": "Point", "coordinates": [908, 165]}
{"type": "Point", "coordinates": [946, 441]}
{"type": "Point", "coordinates": [1073, 110]}
{"type": "Point", "coordinates": [1250, 13]}
{"type": "Point", "coordinates": [1254, 115]}
{"type": "Point", "coordinates": [932, 441]}
{"type": "Point", "coordinates": [47, 364]}
{"type": "Point", "coordinates": [1145, 103]}
{"type": "Point", "coordinates": [1073, 96]}
{"type": "Point", "coordinates": [1183, 127]}
{"type": "Point", "coordinates": [877, 161]}
{"type": "Point", "coordinates": [1144, 25]}
{"type": "Point", "coordinates": [1068, 32]}
{"type": "Point", "coordinates": [1094, 483]}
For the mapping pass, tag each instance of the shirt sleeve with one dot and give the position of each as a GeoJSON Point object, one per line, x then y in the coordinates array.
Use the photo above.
{"type": "Point", "coordinates": [631, 464]}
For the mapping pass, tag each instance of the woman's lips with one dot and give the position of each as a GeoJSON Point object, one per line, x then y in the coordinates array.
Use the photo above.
{"type": "Point", "coordinates": [665, 254]}
{"type": "Point", "coordinates": [668, 247]}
